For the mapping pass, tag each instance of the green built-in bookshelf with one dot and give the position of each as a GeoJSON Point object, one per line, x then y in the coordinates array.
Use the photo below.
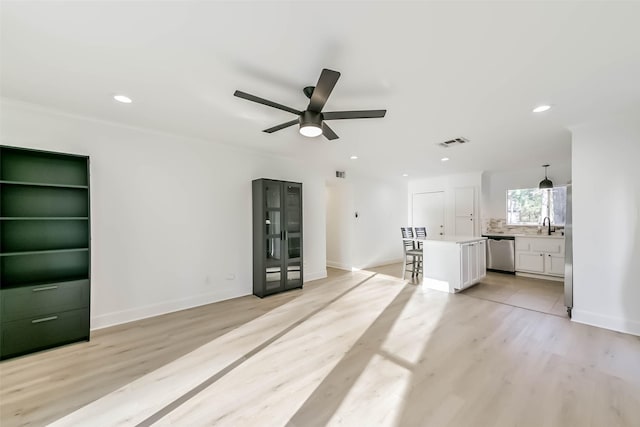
{"type": "Point", "coordinates": [44, 250]}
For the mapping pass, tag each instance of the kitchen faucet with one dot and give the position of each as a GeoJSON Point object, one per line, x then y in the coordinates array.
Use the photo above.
{"type": "Point", "coordinates": [543, 224]}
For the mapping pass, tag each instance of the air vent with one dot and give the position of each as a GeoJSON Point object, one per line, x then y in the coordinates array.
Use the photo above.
{"type": "Point", "coordinates": [454, 141]}
{"type": "Point", "coordinates": [341, 174]}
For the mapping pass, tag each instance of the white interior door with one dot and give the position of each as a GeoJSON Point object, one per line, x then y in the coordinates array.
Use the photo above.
{"type": "Point", "coordinates": [464, 226]}
{"type": "Point", "coordinates": [428, 211]}
{"type": "Point", "coordinates": [464, 211]}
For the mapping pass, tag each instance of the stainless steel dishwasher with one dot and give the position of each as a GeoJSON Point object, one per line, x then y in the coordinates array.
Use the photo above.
{"type": "Point", "coordinates": [501, 253]}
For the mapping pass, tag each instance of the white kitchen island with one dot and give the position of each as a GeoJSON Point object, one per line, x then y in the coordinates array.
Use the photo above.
{"type": "Point", "coordinates": [453, 263]}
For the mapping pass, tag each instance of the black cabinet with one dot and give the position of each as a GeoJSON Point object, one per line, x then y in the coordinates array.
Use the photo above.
{"type": "Point", "coordinates": [277, 236]}
{"type": "Point", "coordinates": [44, 250]}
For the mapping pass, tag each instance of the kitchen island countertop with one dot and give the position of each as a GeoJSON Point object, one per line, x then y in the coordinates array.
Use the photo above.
{"type": "Point", "coordinates": [453, 239]}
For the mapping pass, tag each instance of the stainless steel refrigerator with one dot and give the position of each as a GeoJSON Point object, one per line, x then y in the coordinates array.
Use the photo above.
{"type": "Point", "coordinates": [568, 254]}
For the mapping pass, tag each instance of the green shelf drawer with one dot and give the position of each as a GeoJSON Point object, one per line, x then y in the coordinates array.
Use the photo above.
{"type": "Point", "coordinates": [42, 332]}
{"type": "Point", "coordinates": [22, 165]}
{"type": "Point", "coordinates": [31, 269]}
{"type": "Point", "coordinates": [36, 201]}
{"type": "Point", "coordinates": [39, 300]}
{"type": "Point", "coordinates": [41, 235]}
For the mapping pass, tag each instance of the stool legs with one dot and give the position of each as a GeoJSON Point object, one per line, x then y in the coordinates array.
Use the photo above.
{"type": "Point", "coordinates": [404, 266]}
{"type": "Point", "coordinates": [416, 265]}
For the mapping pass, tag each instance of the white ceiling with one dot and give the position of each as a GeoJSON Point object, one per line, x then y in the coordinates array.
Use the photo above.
{"type": "Point", "coordinates": [442, 70]}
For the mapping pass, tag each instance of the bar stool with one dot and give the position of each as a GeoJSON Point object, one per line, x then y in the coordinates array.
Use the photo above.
{"type": "Point", "coordinates": [410, 250]}
{"type": "Point", "coordinates": [421, 233]}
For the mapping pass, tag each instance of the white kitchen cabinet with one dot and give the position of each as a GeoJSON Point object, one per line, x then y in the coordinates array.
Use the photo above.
{"type": "Point", "coordinates": [465, 266]}
{"type": "Point", "coordinates": [473, 263]}
{"type": "Point", "coordinates": [453, 263]}
{"type": "Point", "coordinates": [554, 264]}
{"type": "Point", "coordinates": [540, 255]}
{"type": "Point", "coordinates": [528, 261]}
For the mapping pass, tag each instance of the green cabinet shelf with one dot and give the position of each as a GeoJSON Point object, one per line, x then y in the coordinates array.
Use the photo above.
{"type": "Point", "coordinates": [42, 184]}
{"type": "Point", "coordinates": [44, 250]}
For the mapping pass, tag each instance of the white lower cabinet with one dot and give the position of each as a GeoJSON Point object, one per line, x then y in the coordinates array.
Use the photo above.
{"type": "Point", "coordinates": [554, 264]}
{"type": "Point", "coordinates": [533, 262]}
{"type": "Point", "coordinates": [473, 264]}
{"type": "Point", "coordinates": [453, 263]}
{"type": "Point", "coordinates": [540, 255]}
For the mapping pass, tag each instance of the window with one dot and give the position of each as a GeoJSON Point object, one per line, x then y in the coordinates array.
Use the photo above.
{"type": "Point", "coordinates": [529, 206]}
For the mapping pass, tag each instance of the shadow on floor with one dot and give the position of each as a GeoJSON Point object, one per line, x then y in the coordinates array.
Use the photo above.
{"type": "Point", "coordinates": [132, 349]}
{"type": "Point", "coordinates": [546, 296]}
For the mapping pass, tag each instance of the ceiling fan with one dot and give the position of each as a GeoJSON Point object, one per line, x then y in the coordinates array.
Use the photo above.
{"type": "Point", "coordinates": [312, 120]}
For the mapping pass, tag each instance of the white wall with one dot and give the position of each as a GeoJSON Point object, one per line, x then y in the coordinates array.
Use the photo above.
{"type": "Point", "coordinates": [495, 185]}
{"type": "Point", "coordinates": [171, 216]}
{"type": "Point", "coordinates": [382, 210]}
{"type": "Point", "coordinates": [373, 238]}
{"type": "Point", "coordinates": [448, 184]}
{"type": "Point", "coordinates": [606, 223]}
{"type": "Point", "coordinates": [340, 230]}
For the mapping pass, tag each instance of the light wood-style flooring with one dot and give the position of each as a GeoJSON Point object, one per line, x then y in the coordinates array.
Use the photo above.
{"type": "Point", "coordinates": [546, 296]}
{"type": "Point", "coordinates": [362, 348]}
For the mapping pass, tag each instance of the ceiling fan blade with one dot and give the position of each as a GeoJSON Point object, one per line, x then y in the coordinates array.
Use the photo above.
{"type": "Point", "coordinates": [259, 100]}
{"type": "Point", "coordinates": [365, 114]}
{"type": "Point", "coordinates": [328, 132]}
{"type": "Point", "coordinates": [326, 83]}
{"type": "Point", "coordinates": [281, 126]}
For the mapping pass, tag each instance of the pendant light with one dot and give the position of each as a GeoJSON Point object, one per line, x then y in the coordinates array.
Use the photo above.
{"type": "Point", "coordinates": [546, 182]}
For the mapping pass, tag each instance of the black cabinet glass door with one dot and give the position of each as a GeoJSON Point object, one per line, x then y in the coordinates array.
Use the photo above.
{"type": "Point", "coordinates": [293, 227]}
{"type": "Point", "coordinates": [277, 240]}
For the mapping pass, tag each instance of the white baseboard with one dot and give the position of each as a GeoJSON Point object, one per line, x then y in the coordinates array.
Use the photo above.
{"type": "Point", "coordinates": [338, 265]}
{"type": "Point", "coordinates": [607, 322]}
{"type": "Point", "coordinates": [308, 277]}
{"type": "Point", "coordinates": [540, 276]}
{"type": "Point", "coordinates": [138, 313]}
{"type": "Point", "coordinates": [378, 264]}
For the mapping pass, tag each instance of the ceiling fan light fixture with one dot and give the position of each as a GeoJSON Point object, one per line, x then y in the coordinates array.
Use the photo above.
{"type": "Point", "coordinates": [310, 130]}
{"type": "Point", "coordinates": [310, 124]}
{"type": "Point", "coordinates": [311, 120]}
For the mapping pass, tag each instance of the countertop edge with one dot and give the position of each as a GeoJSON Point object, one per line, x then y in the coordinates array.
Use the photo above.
{"type": "Point", "coordinates": [454, 239]}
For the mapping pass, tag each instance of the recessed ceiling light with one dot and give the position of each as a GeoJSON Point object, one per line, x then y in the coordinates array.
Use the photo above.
{"type": "Point", "coordinates": [123, 99]}
{"type": "Point", "coordinates": [444, 159]}
{"type": "Point", "coordinates": [405, 174]}
{"type": "Point", "coordinates": [354, 157]}
{"type": "Point", "coordinates": [541, 108]}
